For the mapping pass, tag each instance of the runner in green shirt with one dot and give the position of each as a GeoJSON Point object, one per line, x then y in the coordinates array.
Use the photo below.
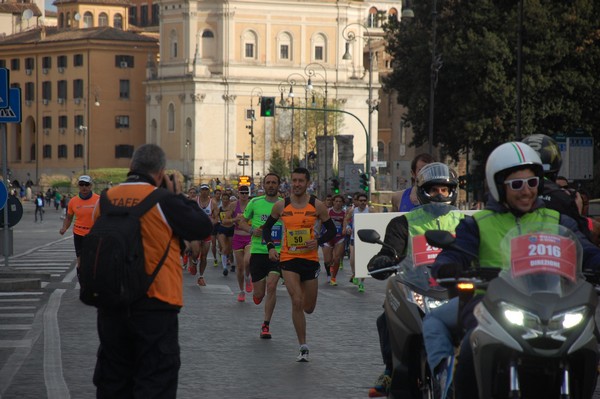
{"type": "Point", "coordinates": [265, 273]}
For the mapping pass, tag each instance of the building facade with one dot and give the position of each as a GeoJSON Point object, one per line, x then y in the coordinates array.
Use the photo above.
{"type": "Point", "coordinates": [217, 58]}
{"type": "Point", "coordinates": [82, 92]}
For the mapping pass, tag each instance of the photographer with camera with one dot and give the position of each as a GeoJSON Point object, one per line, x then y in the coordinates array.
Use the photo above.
{"type": "Point", "coordinates": [139, 345]}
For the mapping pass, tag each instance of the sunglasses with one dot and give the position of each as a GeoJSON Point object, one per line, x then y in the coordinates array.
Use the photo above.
{"type": "Point", "coordinates": [244, 192]}
{"type": "Point", "coordinates": [518, 184]}
{"type": "Point", "coordinates": [82, 184]}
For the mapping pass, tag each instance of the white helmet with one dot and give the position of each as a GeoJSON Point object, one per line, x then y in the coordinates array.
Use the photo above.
{"type": "Point", "coordinates": [506, 159]}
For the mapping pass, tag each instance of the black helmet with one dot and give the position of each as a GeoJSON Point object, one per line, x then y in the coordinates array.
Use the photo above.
{"type": "Point", "coordinates": [548, 151]}
{"type": "Point", "coordinates": [436, 174]}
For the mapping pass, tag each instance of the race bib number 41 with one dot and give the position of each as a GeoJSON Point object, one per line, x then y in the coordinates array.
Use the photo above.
{"type": "Point", "coordinates": [543, 253]}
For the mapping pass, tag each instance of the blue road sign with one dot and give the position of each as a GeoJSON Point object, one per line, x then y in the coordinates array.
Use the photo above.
{"type": "Point", "coordinates": [4, 87]}
{"type": "Point", "coordinates": [12, 113]}
{"type": "Point", "coordinates": [3, 194]}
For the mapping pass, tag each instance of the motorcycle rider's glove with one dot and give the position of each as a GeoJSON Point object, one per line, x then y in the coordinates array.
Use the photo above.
{"type": "Point", "coordinates": [449, 270]}
{"type": "Point", "coordinates": [378, 263]}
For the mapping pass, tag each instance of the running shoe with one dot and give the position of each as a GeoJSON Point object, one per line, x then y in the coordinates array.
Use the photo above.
{"type": "Point", "coordinates": [355, 281]}
{"type": "Point", "coordinates": [232, 268]}
{"type": "Point", "coordinates": [225, 272]}
{"type": "Point", "coordinates": [341, 264]}
{"type": "Point", "coordinates": [265, 333]}
{"type": "Point", "coordinates": [216, 263]}
{"type": "Point", "coordinates": [381, 387]}
{"type": "Point", "coordinates": [361, 287]}
{"type": "Point", "coordinates": [201, 281]}
{"type": "Point", "coordinates": [242, 297]}
{"type": "Point", "coordinates": [192, 269]}
{"type": "Point", "coordinates": [333, 282]}
{"type": "Point", "coordinates": [303, 355]}
{"type": "Point", "coordinates": [249, 286]}
{"type": "Point", "coordinates": [256, 300]}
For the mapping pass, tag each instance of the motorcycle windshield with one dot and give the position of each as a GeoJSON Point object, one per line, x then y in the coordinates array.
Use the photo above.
{"type": "Point", "coordinates": [415, 269]}
{"type": "Point", "coordinates": [541, 258]}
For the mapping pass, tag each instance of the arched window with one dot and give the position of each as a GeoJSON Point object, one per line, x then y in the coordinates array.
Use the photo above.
{"type": "Point", "coordinates": [284, 43]}
{"type": "Point", "coordinates": [173, 44]}
{"type": "Point", "coordinates": [61, 20]}
{"type": "Point", "coordinates": [102, 19]}
{"type": "Point", "coordinates": [393, 15]}
{"type": "Point", "coordinates": [249, 43]}
{"type": "Point", "coordinates": [88, 20]}
{"type": "Point", "coordinates": [68, 20]}
{"type": "Point", "coordinates": [209, 47]}
{"type": "Point", "coordinates": [171, 118]}
{"type": "Point", "coordinates": [319, 47]}
{"type": "Point", "coordinates": [118, 21]}
{"type": "Point", "coordinates": [372, 19]}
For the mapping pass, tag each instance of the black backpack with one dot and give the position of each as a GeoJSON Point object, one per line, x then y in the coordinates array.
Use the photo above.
{"type": "Point", "coordinates": [112, 271]}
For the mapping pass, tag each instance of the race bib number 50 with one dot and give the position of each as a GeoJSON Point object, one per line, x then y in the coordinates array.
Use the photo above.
{"type": "Point", "coordinates": [296, 239]}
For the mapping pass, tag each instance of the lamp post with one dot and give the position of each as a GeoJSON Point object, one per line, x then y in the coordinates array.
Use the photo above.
{"type": "Point", "coordinates": [310, 72]}
{"type": "Point", "coordinates": [283, 88]}
{"type": "Point", "coordinates": [257, 91]}
{"type": "Point", "coordinates": [350, 36]}
{"type": "Point", "coordinates": [83, 130]}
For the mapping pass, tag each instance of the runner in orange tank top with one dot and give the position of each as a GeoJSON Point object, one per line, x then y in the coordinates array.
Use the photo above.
{"type": "Point", "coordinates": [299, 259]}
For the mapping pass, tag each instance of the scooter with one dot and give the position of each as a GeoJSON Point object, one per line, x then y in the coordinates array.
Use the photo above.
{"type": "Point", "coordinates": [535, 334]}
{"type": "Point", "coordinates": [409, 297]}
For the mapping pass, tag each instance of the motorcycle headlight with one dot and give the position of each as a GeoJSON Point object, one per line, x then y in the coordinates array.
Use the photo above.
{"type": "Point", "coordinates": [425, 303]}
{"type": "Point", "coordinates": [567, 320]}
{"type": "Point", "coordinates": [531, 325]}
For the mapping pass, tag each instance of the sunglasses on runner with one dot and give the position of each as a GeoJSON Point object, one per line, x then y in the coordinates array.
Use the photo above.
{"type": "Point", "coordinates": [518, 184]}
{"type": "Point", "coordinates": [82, 184]}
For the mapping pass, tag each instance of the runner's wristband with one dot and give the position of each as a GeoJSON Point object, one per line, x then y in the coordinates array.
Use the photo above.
{"type": "Point", "coordinates": [270, 246]}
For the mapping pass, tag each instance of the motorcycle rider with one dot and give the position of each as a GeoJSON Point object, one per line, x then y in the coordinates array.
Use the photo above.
{"type": "Point", "coordinates": [436, 183]}
{"type": "Point", "coordinates": [515, 175]}
{"type": "Point", "coordinates": [555, 196]}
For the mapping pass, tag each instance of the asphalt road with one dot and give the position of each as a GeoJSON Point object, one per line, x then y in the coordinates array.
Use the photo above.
{"type": "Point", "coordinates": [48, 340]}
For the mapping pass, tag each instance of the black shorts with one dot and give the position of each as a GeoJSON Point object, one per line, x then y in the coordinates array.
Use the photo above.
{"type": "Point", "coordinates": [261, 266]}
{"type": "Point", "coordinates": [215, 229]}
{"type": "Point", "coordinates": [78, 240]}
{"type": "Point", "coordinates": [227, 231]}
{"type": "Point", "coordinates": [307, 269]}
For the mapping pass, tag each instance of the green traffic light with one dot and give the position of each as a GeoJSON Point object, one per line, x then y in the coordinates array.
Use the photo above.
{"type": "Point", "coordinates": [268, 112]}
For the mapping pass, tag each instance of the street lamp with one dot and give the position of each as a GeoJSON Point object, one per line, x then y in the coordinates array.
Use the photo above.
{"type": "Point", "coordinates": [310, 72]}
{"type": "Point", "coordinates": [243, 161]}
{"type": "Point", "coordinates": [350, 36]}
{"type": "Point", "coordinates": [436, 65]}
{"type": "Point", "coordinates": [83, 130]}
{"type": "Point", "coordinates": [257, 91]}
{"type": "Point", "coordinates": [283, 88]}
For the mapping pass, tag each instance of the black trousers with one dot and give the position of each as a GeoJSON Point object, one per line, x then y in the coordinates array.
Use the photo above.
{"type": "Point", "coordinates": [138, 355]}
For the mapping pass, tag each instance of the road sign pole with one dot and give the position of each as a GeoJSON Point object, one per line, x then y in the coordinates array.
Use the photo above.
{"type": "Point", "coordinates": [4, 176]}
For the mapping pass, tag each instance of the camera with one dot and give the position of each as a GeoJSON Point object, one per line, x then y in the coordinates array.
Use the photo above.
{"type": "Point", "coordinates": [171, 177]}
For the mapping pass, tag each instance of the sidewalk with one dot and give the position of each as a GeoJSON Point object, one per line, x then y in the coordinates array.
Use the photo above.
{"type": "Point", "coordinates": [27, 236]}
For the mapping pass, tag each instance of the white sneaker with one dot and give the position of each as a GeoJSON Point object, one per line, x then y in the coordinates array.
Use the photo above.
{"type": "Point", "coordinates": [303, 355]}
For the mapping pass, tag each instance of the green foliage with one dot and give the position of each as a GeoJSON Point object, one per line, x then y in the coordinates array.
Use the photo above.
{"type": "Point", "coordinates": [278, 164]}
{"type": "Point", "coordinates": [475, 95]}
{"type": "Point", "coordinates": [106, 175]}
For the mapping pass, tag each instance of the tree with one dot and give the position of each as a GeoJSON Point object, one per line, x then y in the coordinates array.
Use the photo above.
{"type": "Point", "coordinates": [279, 165]}
{"type": "Point", "coordinates": [475, 95]}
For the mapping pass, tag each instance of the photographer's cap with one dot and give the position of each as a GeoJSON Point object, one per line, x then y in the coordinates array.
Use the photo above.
{"type": "Point", "coordinates": [204, 186]}
{"type": "Point", "coordinates": [85, 179]}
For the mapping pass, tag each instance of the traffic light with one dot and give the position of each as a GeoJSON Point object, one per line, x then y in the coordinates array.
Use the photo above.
{"type": "Point", "coordinates": [462, 182]}
{"type": "Point", "coordinates": [244, 181]}
{"type": "Point", "coordinates": [364, 182]}
{"type": "Point", "coordinates": [335, 186]}
{"type": "Point", "coordinates": [267, 106]}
